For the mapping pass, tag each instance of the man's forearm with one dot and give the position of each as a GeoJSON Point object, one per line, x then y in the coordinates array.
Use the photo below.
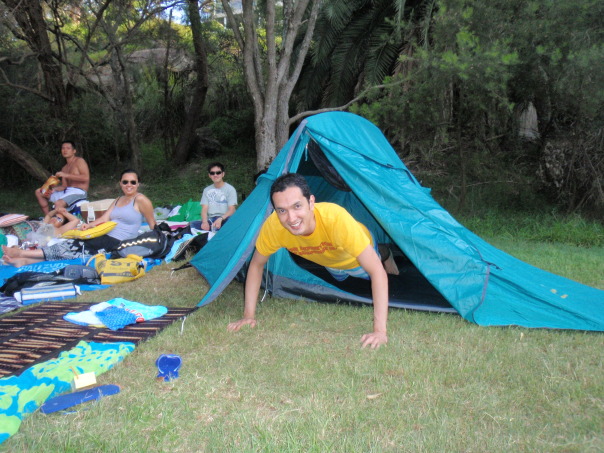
{"type": "Point", "coordinates": [252, 288]}
{"type": "Point", "coordinates": [229, 213]}
{"type": "Point", "coordinates": [379, 289]}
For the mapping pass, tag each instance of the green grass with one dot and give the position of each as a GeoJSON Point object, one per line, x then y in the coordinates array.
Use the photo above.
{"type": "Point", "coordinates": [538, 226]}
{"type": "Point", "coordinates": [300, 382]}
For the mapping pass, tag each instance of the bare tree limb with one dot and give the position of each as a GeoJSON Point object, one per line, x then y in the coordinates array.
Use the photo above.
{"type": "Point", "coordinates": [19, 60]}
{"type": "Point", "coordinates": [294, 119]}
{"type": "Point", "coordinates": [7, 82]}
{"type": "Point", "coordinates": [29, 164]}
{"type": "Point", "coordinates": [295, 74]}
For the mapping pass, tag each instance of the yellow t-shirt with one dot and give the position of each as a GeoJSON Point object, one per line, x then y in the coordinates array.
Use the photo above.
{"type": "Point", "coordinates": [336, 242]}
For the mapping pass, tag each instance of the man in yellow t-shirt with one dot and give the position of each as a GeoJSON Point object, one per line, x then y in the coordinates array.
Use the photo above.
{"type": "Point", "coordinates": [324, 233]}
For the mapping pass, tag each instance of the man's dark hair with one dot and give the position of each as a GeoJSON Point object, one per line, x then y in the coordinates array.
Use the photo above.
{"type": "Point", "coordinates": [215, 164]}
{"type": "Point", "coordinates": [291, 180]}
{"type": "Point", "coordinates": [73, 145]}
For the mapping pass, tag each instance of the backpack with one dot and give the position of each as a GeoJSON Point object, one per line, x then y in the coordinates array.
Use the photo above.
{"type": "Point", "coordinates": [119, 270]}
{"type": "Point", "coordinates": [72, 273]}
{"type": "Point", "coordinates": [152, 244]}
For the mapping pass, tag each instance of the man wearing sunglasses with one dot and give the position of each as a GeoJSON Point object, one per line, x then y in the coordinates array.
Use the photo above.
{"type": "Point", "coordinates": [218, 200]}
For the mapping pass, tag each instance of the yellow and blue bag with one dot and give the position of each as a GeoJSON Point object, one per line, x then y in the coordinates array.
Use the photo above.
{"type": "Point", "coordinates": [119, 270]}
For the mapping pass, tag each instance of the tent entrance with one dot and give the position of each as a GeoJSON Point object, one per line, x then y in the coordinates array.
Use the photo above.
{"type": "Point", "coordinates": [409, 289]}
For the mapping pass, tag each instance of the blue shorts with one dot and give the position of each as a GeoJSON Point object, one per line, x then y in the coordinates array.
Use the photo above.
{"type": "Point", "coordinates": [197, 223]}
{"type": "Point", "coordinates": [343, 274]}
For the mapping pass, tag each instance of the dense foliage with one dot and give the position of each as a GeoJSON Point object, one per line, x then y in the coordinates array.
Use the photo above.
{"type": "Point", "coordinates": [497, 102]}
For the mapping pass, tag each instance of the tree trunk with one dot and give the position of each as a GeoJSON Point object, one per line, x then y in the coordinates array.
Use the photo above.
{"type": "Point", "coordinates": [266, 141]}
{"type": "Point", "coordinates": [463, 167]}
{"type": "Point", "coordinates": [29, 164]}
{"type": "Point", "coordinates": [125, 107]}
{"type": "Point", "coordinates": [167, 132]}
{"type": "Point", "coordinates": [272, 73]}
{"type": "Point", "coordinates": [183, 147]}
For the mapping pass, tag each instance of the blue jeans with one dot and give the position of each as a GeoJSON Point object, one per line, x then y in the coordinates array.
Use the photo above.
{"type": "Point", "coordinates": [197, 223]}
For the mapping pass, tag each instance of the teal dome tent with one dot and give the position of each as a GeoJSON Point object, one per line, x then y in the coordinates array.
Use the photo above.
{"type": "Point", "coordinates": [444, 266]}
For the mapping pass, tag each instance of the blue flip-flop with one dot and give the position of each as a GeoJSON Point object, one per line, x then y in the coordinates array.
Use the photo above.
{"type": "Point", "coordinates": [58, 403]}
{"type": "Point", "coordinates": [168, 366]}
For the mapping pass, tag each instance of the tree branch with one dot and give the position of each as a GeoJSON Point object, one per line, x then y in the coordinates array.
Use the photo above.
{"type": "Point", "coordinates": [18, 61]}
{"type": "Point", "coordinates": [361, 95]}
{"type": "Point", "coordinates": [8, 83]}
{"type": "Point", "coordinates": [292, 78]}
{"type": "Point", "coordinates": [234, 25]}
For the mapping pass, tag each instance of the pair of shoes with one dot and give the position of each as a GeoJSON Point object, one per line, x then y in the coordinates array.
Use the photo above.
{"type": "Point", "coordinates": [388, 260]}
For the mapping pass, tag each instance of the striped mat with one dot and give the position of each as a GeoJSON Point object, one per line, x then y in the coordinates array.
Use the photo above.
{"type": "Point", "coordinates": [40, 333]}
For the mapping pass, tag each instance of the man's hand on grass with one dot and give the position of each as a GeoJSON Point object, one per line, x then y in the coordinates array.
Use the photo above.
{"type": "Point", "coordinates": [235, 326]}
{"type": "Point", "coordinates": [374, 340]}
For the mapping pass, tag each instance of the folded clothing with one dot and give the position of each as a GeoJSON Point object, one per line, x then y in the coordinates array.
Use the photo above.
{"type": "Point", "coordinates": [115, 318]}
{"type": "Point", "coordinates": [96, 315]}
{"type": "Point", "coordinates": [141, 311]}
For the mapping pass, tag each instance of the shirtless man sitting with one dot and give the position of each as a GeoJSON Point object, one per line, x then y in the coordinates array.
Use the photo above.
{"type": "Point", "coordinates": [75, 179]}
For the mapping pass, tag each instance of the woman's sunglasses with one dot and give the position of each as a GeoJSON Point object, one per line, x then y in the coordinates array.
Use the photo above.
{"type": "Point", "coordinates": [126, 182]}
{"type": "Point", "coordinates": [215, 173]}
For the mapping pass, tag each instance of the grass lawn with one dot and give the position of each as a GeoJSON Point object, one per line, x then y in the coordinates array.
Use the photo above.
{"type": "Point", "coordinates": [300, 382]}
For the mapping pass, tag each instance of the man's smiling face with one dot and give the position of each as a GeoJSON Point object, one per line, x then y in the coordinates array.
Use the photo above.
{"type": "Point", "coordinates": [295, 212]}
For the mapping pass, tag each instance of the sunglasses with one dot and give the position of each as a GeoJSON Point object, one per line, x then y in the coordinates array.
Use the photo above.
{"type": "Point", "coordinates": [215, 173]}
{"type": "Point", "coordinates": [126, 182]}
{"type": "Point", "coordinates": [60, 219]}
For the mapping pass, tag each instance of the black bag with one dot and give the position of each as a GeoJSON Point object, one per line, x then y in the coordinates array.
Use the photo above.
{"type": "Point", "coordinates": [177, 234]}
{"type": "Point", "coordinates": [72, 273]}
{"type": "Point", "coordinates": [81, 274]}
{"type": "Point", "coordinates": [152, 244]}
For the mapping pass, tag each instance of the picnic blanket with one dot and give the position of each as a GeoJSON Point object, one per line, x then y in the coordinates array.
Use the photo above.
{"type": "Point", "coordinates": [31, 340]}
{"type": "Point", "coordinates": [7, 271]}
{"type": "Point", "coordinates": [39, 333]}
{"type": "Point", "coordinates": [22, 395]}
